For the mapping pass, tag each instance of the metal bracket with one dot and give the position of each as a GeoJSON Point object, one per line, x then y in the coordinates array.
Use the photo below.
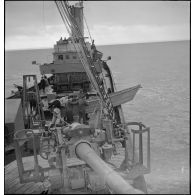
{"type": "Point", "coordinates": [20, 138]}
{"type": "Point", "coordinates": [142, 129]}
{"type": "Point", "coordinates": [134, 165]}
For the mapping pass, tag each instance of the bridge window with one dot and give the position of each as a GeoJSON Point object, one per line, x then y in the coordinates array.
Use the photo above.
{"type": "Point", "coordinates": [60, 57]}
{"type": "Point", "coordinates": [67, 57]}
{"type": "Point", "coordinates": [74, 57]}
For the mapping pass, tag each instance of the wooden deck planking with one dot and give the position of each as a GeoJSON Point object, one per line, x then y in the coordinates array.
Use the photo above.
{"type": "Point", "coordinates": [31, 188]}
{"type": "Point", "coordinates": [8, 170]}
{"type": "Point", "coordinates": [23, 188]}
{"type": "Point", "coordinates": [13, 189]}
{"type": "Point", "coordinates": [11, 178]}
{"type": "Point", "coordinates": [11, 164]}
{"type": "Point", "coordinates": [12, 170]}
{"type": "Point", "coordinates": [11, 175]}
{"type": "Point", "coordinates": [11, 184]}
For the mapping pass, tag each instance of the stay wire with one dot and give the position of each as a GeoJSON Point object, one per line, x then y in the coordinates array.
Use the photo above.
{"type": "Point", "coordinates": [87, 27]}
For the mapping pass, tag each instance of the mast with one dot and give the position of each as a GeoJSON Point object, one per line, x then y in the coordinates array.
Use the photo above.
{"type": "Point", "coordinates": [77, 12]}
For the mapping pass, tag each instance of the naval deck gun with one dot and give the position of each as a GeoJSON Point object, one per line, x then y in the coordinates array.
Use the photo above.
{"type": "Point", "coordinates": [80, 158]}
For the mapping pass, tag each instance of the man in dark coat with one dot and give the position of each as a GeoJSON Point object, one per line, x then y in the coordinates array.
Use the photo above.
{"type": "Point", "coordinates": [42, 84]}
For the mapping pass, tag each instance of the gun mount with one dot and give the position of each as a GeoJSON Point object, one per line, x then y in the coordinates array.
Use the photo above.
{"type": "Point", "coordinates": [79, 158]}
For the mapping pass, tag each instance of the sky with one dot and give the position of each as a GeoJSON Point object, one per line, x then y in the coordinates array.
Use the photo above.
{"type": "Point", "coordinates": [37, 24]}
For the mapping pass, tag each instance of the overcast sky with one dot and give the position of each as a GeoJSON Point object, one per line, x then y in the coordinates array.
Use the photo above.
{"type": "Point", "coordinates": [37, 24]}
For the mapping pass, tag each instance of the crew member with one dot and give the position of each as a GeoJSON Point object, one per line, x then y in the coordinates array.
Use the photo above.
{"type": "Point", "coordinates": [46, 83]}
{"type": "Point", "coordinates": [93, 50]}
{"type": "Point", "coordinates": [63, 101]}
{"type": "Point", "coordinates": [57, 119]}
{"type": "Point", "coordinates": [42, 84]}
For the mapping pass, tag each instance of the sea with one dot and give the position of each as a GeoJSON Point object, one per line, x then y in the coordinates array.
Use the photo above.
{"type": "Point", "coordinates": [163, 102]}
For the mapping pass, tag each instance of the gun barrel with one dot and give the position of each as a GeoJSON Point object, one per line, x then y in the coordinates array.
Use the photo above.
{"type": "Point", "coordinates": [112, 179]}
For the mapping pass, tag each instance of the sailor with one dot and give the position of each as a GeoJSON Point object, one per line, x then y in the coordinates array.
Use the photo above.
{"type": "Point", "coordinates": [63, 101]}
{"type": "Point", "coordinates": [93, 50]}
{"type": "Point", "coordinates": [57, 119]}
{"type": "Point", "coordinates": [46, 83]}
{"type": "Point", "coordinates": [42, 84]}
{"type": "Point", "coordinates": [46, 80]}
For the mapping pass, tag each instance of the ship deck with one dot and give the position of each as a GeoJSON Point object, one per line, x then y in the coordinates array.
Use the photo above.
{"type": "Point", "coordinates": [13, 185]}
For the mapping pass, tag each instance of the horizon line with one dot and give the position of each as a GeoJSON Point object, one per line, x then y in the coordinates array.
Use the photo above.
{"type": "Point", "coordinates": [131, 43]}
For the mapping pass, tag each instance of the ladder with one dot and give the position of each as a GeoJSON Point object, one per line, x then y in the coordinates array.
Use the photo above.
{"type": "Point", "coordinates": [106, 97]}
{"type": "Point", "coordinates": [34, 91]}
{"type": "Point", "coordinates": [84, 55]}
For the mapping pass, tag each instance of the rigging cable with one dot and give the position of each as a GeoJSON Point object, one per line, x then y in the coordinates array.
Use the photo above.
{"type": "Point", "coordinates": [76, 30]}
{"type": "Point", "coordinates": [87, 27]}
{"type": "Point", "coordinates": [81, 48]}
